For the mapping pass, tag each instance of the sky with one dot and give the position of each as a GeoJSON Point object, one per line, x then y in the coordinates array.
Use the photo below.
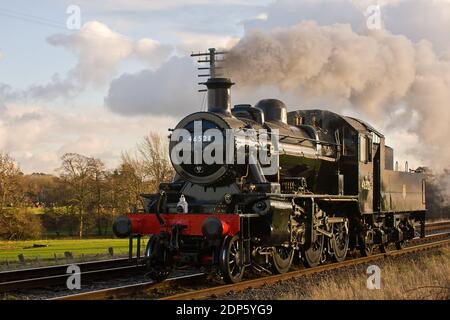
{"type": "Point", "coordinates": [126, 71]}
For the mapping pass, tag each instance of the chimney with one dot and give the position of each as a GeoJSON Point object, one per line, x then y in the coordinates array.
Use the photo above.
{"type": "Point", "coordinates": [219, 95]}
{"type": "Point", "coordinates": [218, 88]}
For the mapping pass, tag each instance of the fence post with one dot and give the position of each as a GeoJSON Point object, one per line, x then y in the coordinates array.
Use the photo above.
{"type": "Point", "coordinates": [21, 258]}
{"type": "Point", "coordinates": [68, 256]}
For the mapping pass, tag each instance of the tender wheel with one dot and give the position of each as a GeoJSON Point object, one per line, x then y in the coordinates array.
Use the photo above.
{"type": "Point", "coordinates": [157, 257]}
{"type": "Point", "coordinates": [340, 242]}
{"type": "Point", "coordinates": [367, 250]}
{"type": "Point", "coordinates": [366, 247]}
{"type": "Point", "coordinates": [282, 259]}
{"type": "Point", "coordinates": [384, 248]}
{"type": "Point", "coordinates": [230, 260]}
{"type": "Point", "coordinates": [399, 245]}
{"type": "Point", "coordinates": [313, 255]}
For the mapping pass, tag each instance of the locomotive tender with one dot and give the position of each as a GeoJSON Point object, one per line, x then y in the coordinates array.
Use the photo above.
{"type": "Point", "coordinates": [334, 189]}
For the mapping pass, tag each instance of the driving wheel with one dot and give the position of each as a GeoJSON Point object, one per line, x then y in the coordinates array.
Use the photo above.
{"type": "Point", "coordinates": [312, 256]}
{"type": "Point", "coordinates": [366, 246]}
{"type": "Point", "coordinates": [340, 242]}
{"type": "Point", "coordinates": [282, 259]}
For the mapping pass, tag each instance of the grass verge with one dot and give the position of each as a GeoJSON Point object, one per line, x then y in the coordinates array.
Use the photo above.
{"type": "Point", "coordinates": [422, 276]}
{"type": "Point", "coordinates": [81, 250]}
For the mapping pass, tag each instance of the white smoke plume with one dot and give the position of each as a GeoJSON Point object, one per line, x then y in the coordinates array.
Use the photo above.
{"type": "Point", "coordinates": [386, 77]}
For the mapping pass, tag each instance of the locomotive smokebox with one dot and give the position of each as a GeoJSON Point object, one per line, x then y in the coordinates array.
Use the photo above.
{"type": "Point", "coordinates": [219, 95]}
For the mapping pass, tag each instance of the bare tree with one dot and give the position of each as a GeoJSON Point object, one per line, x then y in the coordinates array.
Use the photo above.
{"type": "Point", "coordinates": [154, 155]}
{"type": "Point", "coordinates": [81, 173]}
{"type": "Point", "coordinates": [143, 171]}
{"type": "Point", "coordinates": [131, 182]}
{"type": "Point", "coordinates": [98, 190]}
{"type": "Point", "coordinates": [9, 181]}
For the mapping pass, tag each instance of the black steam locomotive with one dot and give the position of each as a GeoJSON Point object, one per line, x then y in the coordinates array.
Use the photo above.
{"type": "Point", "coordinates": [330, 188]}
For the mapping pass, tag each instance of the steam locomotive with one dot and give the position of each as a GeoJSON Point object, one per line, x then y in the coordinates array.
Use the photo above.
{"type": "Point", "coordinates": [331, 187]}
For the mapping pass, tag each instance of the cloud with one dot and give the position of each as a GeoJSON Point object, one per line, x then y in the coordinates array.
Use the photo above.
{"type": "Point", "coordinates": [262, 16]}
{"type": "Point", "coordinates": [158, 5]}
{"type": "Point", "coordinates": [8, 94]}
{"type": "Point", "coordinates": [420, 19]}
{"type": "Point", "coordinates": [3, 92]}
{"type": "Point", "coordinates": [143, 5]}
{"type": "Point", "coordinates": [38, 136]}
{"type": "Point", "coordinates": [168, 90]}
{"type": "Point", "coordinates": [1, 55]}
{"type": "Point", "coordinates": [99, 50]}
{"type": "Point", "coordinates": [415, 19]}
{"type": "Point", "coordinates": [152, 52]}
{"type": "Point", "coordinates": [284, 13]}
{"type": "Point", "coordinates": [57, 87]}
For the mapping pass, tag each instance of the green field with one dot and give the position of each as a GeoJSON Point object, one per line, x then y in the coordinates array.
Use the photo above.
{"type": "Point", "coordinates": [9, 250]}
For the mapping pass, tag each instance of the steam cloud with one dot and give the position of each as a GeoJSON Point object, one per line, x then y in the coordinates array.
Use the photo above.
{"type": "Point", "coordinates": [387, 77]}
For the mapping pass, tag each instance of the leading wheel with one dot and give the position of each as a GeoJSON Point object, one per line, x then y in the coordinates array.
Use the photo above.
{"type": "Point", "coordinates": [282, 259]}
{"type": "Point", "coordinates": [340, 242]}
{"type": "Point", "coordinates": [312, 256]}
{"type": "Point", "coordinates": [231, 266]}
{"type": "Point", "coordinates": [156, 255]}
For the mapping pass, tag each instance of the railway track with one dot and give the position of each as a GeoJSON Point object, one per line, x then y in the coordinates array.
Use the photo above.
{"type": "Point", "coordinates": [437, 226]}
{"type": "Point", "coordinates": [192, 281]}
{"type": "Point", "coordinates": [129, 290]}
{"type": "Point", "coordinates": [44, 277]}
{"type": "Point", "coordinates": [257, 283]}
{"type": "Point", "coordinates": [47, 277]}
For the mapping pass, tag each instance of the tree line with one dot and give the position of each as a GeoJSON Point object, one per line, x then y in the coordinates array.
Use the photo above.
{"type": "Point", "coordinates": [84, 196]}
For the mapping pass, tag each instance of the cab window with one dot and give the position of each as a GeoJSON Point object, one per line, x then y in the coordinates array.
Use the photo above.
{"type": "Point", "coordinates": [375, 138]}
{"type": "Point", "coordinates": [365, 148]}
{"type": "Point", "coordinates": [349, 142]}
